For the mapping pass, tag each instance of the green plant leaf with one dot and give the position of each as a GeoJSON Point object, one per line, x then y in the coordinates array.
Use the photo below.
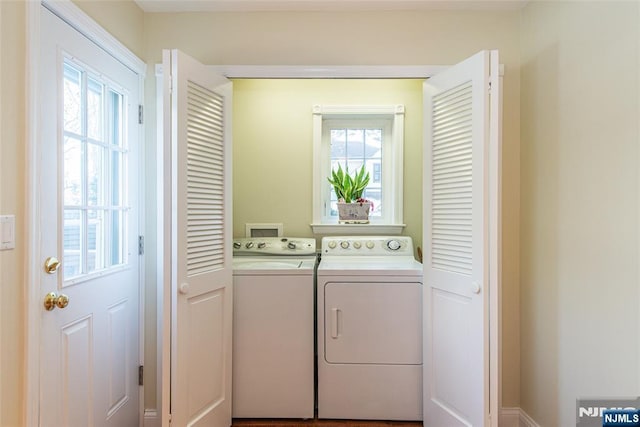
{"type": "Point", "coordinates": [349, 188]}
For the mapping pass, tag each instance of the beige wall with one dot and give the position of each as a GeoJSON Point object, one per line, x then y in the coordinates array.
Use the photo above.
{"type": "Point", "coordinates": [579, 213]}
{"type": "Point", "coordinates": [273, 147]}
{"type": "Point", "coordinates": [12, 201]}
{"type": "Point", "coordinates": [432, 38]}
{"type": "Point", "coordinates": [579, 209]}
{"type": "Point", "coordinates": [122, 18]}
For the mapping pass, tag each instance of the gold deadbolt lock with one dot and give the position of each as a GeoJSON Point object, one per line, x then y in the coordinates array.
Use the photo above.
{"type": "Point", "coordinates": [53, 300]}
{"type": "Point", "coordinates": [51, 265]}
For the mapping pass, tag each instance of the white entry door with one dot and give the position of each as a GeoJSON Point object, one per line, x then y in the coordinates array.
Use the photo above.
{"type": "Point", "coordinates": [197, 152]}
{"type": "Point", "coordinates": [460, 126]}
{"type": "Point", "coordinates": [88, 210]}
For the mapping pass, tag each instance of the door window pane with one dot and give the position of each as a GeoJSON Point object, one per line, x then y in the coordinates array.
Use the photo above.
{"type": "Point", "coordinates": [72, 243]}
{"type": "Point", "coordinates": [72, 100]}
{"type": "Point", "coordinates": [116, 118]}
{"type": "Point", "coordinates": [95, 211]}
{"type": "Point", "coordinates": [116, 178]}
{"type": "Point", "coordinates": [95, 240]}
{"type": "Point", "coordinates": [95, 114]}
{"type": "Point", "coordinates": [116, 237]}
{"type": "Point", "coordinates": [72, 172]}
{"type": "Point", "coordinates": [95, 175]}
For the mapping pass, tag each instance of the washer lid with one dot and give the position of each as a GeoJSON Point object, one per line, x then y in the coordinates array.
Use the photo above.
{"type": "Point", "coordinates": [279, 263]}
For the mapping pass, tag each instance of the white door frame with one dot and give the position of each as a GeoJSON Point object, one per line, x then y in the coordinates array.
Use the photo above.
{"type": "Point", "coordinates": [365, 72]}
{"type": "Point", "coordinates": [74, 16]}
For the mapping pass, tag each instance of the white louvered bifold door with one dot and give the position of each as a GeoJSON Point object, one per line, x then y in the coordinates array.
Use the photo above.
{"type": "Point", "coordinates": [201, 238]}
{"type": "Point", "coordinates": [456, 391]}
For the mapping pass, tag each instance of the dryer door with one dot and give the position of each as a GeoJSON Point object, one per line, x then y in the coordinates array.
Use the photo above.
{"type": "Point", "coordinates": [373, 323]}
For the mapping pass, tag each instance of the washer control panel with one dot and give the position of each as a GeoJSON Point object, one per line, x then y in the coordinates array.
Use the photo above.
{"type": "Point", "coordinates": [367, 245]}
{"type": "Point", "coordinates": [274, 246]}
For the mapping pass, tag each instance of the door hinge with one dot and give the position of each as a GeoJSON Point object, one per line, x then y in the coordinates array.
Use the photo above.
{"type": "Point", "coordinates": [140, 114]}
{"type": "Point", "coordinates": [140, 375]}
{"type": "Point", "coordinates": [140, 245]}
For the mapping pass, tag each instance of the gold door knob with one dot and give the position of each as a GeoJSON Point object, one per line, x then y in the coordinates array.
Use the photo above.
{"type": "Point", "coordinates": [62, 301]}
{"type": "Point", "coordinates": [53, 300]}
{"type": "Point", "coordinates": [51, 265]}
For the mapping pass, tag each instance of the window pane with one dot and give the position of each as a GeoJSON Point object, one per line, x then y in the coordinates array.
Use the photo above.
{"type": "Point", "coordinates": [116, 237]}
{"type": "Point", "coordinates": [95, 175]}
{"type": "Point", "coordinates": [116, 118]}
{"type": "Point", "coordinates": [95, 240]}
{"type": "Point", "coordinates": [94, 110]}
{"type": "Point", "coordinates": [373, 143]}
{"type": "Point", "coordinates": [338, 143]}
{"type": "Point", "coordinates": [354, 165]}
{"type": "Point", "coordinates": [353, 147]}
{"type": "Point", "coordinates": [355, 143]}
{"type": "Point", "coordinates": [72, 244]}
{"type": "Point", "coordinates": [374, 195]}
{"type": "Point", "coordinates": [72, 167]}
{"type": "Point", "coordinates": [72, 99]}
{"type": "Point", "coordinates": [116, 198]}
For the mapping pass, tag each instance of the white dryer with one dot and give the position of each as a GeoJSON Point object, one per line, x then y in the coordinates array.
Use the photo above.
{"type": "Point", "coordinates": [369, 299]}
{"type": "Point", "coordinates": [273, 324]}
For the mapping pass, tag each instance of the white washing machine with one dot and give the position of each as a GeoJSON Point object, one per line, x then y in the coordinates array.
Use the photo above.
{"type": "Point", "coordinates": [273, 327]}
{"type": "Point", "coordinates": [369, 329]}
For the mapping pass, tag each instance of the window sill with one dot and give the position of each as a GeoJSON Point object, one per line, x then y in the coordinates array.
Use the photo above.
{"type": "Point", "coordinates": [358, 229]}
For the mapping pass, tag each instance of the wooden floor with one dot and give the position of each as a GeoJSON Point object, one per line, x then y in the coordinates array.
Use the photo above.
{"type": "Point", "coordinates": [323, 423]}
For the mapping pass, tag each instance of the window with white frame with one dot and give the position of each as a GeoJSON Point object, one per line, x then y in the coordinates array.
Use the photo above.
{"type": "Point", "coordinates": [353, 137]}
{"type": "Point", "coordinates": [95, 157]}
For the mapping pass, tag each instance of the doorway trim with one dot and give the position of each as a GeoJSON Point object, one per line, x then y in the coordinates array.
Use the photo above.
{"type": "Point", "coordinates": [354, 72]}
{"type": "Point", "coordinates": [81, 22]}
{"type": "Point", "coordinates": [327, 71]}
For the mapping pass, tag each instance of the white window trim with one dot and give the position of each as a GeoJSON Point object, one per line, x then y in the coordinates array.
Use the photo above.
{"type": "Point", "coordinates": [394, 223]}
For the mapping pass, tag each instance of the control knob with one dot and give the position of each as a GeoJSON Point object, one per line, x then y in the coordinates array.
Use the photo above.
{"type": "Point", "coordinates": [291, 245]}
{"type": "Point", "coordinates": [394, 245]}
{"type": "Point", "coordinates": [248, 245]}
{"type": "Point", "coordinates": [357, 245]}
{"type": "Point", "coordinates": [332, 244]}
{"type": "Point", "coordinates": [370, 244]}
{"type": "Point", "coordinates": [261, 245]}
{"type": "Point", "coordinates": [236, 245]}
{"type": "Point", "coordinates": [344, 244]}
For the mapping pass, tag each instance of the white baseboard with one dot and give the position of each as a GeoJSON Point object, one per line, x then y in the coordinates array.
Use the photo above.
{"type": "Point", "coordinates": [516, 417]}
{"type": "Point", "coordinates": [526, 420]}
{"type": "Point", "coordinates": [151, 418]}
{"type": "Point", "coordinates": [509, 417]}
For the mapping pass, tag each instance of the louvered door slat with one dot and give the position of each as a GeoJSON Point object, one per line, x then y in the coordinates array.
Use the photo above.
{"type": "Point", "coordinates": [451, 184]}
{"type": "Point", "coordinates": [205, 183]}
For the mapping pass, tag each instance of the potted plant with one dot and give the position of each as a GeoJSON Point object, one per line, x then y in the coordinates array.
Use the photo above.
{"type": "Point", "coordinates": [352, 208]}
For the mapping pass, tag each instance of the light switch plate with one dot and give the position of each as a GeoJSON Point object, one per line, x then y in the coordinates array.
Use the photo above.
{"type": "Point", "coordinates": [7, 232]}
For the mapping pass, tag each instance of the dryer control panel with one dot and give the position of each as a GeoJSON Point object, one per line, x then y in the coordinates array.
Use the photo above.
{"type": "Point", "coordinates": [367, 246]}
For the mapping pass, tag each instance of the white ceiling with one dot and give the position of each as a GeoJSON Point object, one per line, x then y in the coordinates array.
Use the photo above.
{"type": "Point", "coordinates": [323, 5]}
